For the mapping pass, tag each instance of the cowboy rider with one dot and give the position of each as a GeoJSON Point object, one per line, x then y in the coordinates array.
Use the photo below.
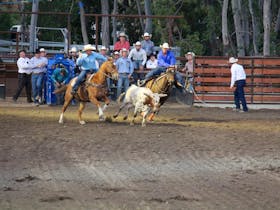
{"type": "Point", "coordinates": [166, 59]}
{"type": "Point", "coordinates": [87, 63]}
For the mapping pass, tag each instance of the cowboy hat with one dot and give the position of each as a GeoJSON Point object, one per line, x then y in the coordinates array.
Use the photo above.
{"type": "Point", "coordinates": [103, 48]}
{"type": "Point", "coordinates": [116, 53]}
{"type": "Point", "coordinates": [73, 49]}
{"type": "Point", "coordinates": [146, 34]}
{"type": "Point", "coordinates": [137, 43]}
{"type": "Point", "coordinates": [42, 50]}
{"type": "Point", "coordinates": [122, 34]}
{"type": "Point", "coordinates": [89, 47]}
{"type": "Point", "coordinates": [190, 53]}
{"type": "Point", "coordinates": [233, 60]}
{"type": "Point", "coordinates": [165, 45]}
{"type": "Point", "coordinates": [124, 50]}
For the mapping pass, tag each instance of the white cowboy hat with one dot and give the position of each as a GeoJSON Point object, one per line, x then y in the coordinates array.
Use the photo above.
{"type": "Point", "coordinates": [190, 53]}
{"type": "Point", "coordinates": [73, 49]}
{"type": "Point", "coordinates": [122, 34]}
{"type": "Point", "coordinates": [116, 53]}
{"type": "Point", "coordinates": [165, 45]}
{"type": "Point", "coordinates": [233, 60]}
{"type": "Point", "coordinates": [124, 50]}
{"type": "Point", "coordinates": [103, 48]}
{"type": "Point", "coordinates": [147, 34]}
{"type": "Point", "coordinates": [42, 50]}
{"type": "Point", "coordinates": [89, 47]}
{"type": "Point", "coordinates": [137, 43]}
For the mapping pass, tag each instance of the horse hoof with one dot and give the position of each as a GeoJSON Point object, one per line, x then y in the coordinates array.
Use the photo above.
{"type": "Point", "coordinates": [60, 122]}
{"type": "Point", "coordinates": [143, 125]}
{"type": "Point", "coordinates": [82, 122]}
{"type": "Point", "coordinates": [115, 116]}
{"type": "Point", "coordinates": [125, 118]}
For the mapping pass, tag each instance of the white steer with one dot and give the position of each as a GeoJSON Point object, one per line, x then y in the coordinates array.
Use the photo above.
{"type": "Point", "coordinates": [143, 99]}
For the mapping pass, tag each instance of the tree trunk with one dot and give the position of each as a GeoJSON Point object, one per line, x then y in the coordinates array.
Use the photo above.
{"type": "Point", "coordinates": [149, 23]}
{"type": "Point", "coordinates": [245, 28]}
{"type": "Point", "coordinates": [236, 9]}
{"type": "Point", "coordinates": [255, 28]}
{"type": "Point", "coordinates": [277, 25]}
{"type": "Point", "coordinates": [114, 22]}
{"type": "Point", "coordinates": [33, 24]}
{"type": "Point", "coordinates": [83, 23]}
{"type": "Point", "coordinates": [105, 24]}
{"type": "Point", "coordinates": [266, 26]}
{"type": "Point", "coordinates": [225, 28]}
{"type": "Point", "coordinates": [139, 13]}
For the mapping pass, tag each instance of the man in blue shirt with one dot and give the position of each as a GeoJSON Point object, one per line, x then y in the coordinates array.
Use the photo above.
{"type": "Point", "coordinates": [166, 58]}
{"type": "Point", "coordinates": [87, 63]}
{"type": "Point", "coordinates": [60, 77]}
{"type": "Point", "coordinates": [125, 69]}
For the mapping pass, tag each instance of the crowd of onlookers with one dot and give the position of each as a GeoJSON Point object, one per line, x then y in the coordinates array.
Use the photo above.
{"type": "Point", "coordinates": [142, 56]}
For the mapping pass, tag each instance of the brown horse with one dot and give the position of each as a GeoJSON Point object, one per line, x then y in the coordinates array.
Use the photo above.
{"type": "Point", "coordinates": [162, 85]}
{"type": "Point", "coordinates": [94, 91]}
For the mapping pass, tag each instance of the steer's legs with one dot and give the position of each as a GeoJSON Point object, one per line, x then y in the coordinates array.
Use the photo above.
{"type": "Point", "coordinates": [118, 112]}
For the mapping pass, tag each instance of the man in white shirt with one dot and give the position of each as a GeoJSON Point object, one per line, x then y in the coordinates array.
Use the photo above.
{"type": "Point", "coordinates": [238, 78]}
{"type": "Point", "coordinates": [24, 76]}
{"type": "Point", "coordinates": [139, 58]}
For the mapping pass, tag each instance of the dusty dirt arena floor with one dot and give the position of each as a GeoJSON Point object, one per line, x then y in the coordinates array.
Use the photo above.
{"type": "Point", "coordinates": [189, 158]}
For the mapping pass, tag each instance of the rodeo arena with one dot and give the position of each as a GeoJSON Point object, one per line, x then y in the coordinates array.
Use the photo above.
{"type": "Point", "coordinates": [86, 126]}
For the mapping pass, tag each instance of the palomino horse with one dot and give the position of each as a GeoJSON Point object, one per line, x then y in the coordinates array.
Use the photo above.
{"type": "Point", "coordinates": [162, 85]}
{"type": "Point", "coordinates": [95, 91]}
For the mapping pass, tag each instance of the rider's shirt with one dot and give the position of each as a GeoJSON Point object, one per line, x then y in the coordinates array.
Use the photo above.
{"type": "Point", "coordinates": [166, 60]}
{"type": "Point", "coordinates": [88, 62]}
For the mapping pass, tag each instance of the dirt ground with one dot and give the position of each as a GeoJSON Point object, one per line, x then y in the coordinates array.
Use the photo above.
{"type": "Point", "coordinates": [189, 158]}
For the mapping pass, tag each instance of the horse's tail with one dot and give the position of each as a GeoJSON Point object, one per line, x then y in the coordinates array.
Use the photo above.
{"type": "Point", "coordinates": [60, 90]}
{"type": "Point", "coordinates": [120, 98]}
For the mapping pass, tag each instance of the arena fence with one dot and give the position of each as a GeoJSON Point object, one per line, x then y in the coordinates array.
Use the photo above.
{"type": "Point", "coordinates": [211, 81]}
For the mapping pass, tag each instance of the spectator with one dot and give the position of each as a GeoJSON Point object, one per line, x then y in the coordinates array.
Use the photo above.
{"type": "Point", "coordinates": [238, 78]}
{"type": "Point", "coordinates": [189, 68]}
{"type": "Point", "coordinates": [122, 43]}
{"type": "Point", "coordinates": [147, 44]}
{"type": "Point", "coordinates": [60, 77]}
{"type": "Point", "coordinates": [38, 64]}
{"type": "Point", "coordinates": [152, 63]}
{"type": "Point", "coordinates": [102, 51]}
{"type": "Point", "coordinates": [73, 55]}
{"type": "Point", "coordinates": [125, 70]}
{"type": "Point", "coordinates": [43, 55]}
{"type": "Point", "coordinates": [24, 76]}
{"type": "Point", "coordinates": [87, 63]}
{"type": "Point", "coordinates": [139, 58]}
{"type": "Point", "coordinates": [116, 56]}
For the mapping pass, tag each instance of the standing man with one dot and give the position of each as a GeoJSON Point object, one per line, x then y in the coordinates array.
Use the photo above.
{"type": "Point", "coordinates": [122, 43]}
{"type": "Point", "coordinates": [24, 76]}
{"type": "Point", "coordinates": [38, 64]}
{"type": "Point", "coordinates": [189, 68]}
{"type": "Point", "coordinates": [147, 44]}
{"type": "Point", "coordinates": [43, 55]}
{"type": "Point", "coordinates": [87, 63]}
{"type": "Point", "coordinates": [238, 78]}
{"type": "Point", "coordinates": [125, 70]}
{"type": "Point", "coordinates": [139, 58]}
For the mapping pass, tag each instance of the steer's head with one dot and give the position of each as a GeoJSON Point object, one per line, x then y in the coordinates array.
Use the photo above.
{"type": "Point", "coordinates": [153, 100]}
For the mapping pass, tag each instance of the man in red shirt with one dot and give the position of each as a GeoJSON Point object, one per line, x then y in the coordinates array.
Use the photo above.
{"type": "Point", "coordinates": [122, 43]}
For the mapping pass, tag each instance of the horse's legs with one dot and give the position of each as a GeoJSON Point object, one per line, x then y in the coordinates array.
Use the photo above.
{"type": "Point", "coordinates": [81, 109]}
{"type": "Point", "coordinates": [67, 99]}
{"type": "Point", "coordinates": [107, 102]}
{"type": "Point", "coordinates": [100, 111]}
